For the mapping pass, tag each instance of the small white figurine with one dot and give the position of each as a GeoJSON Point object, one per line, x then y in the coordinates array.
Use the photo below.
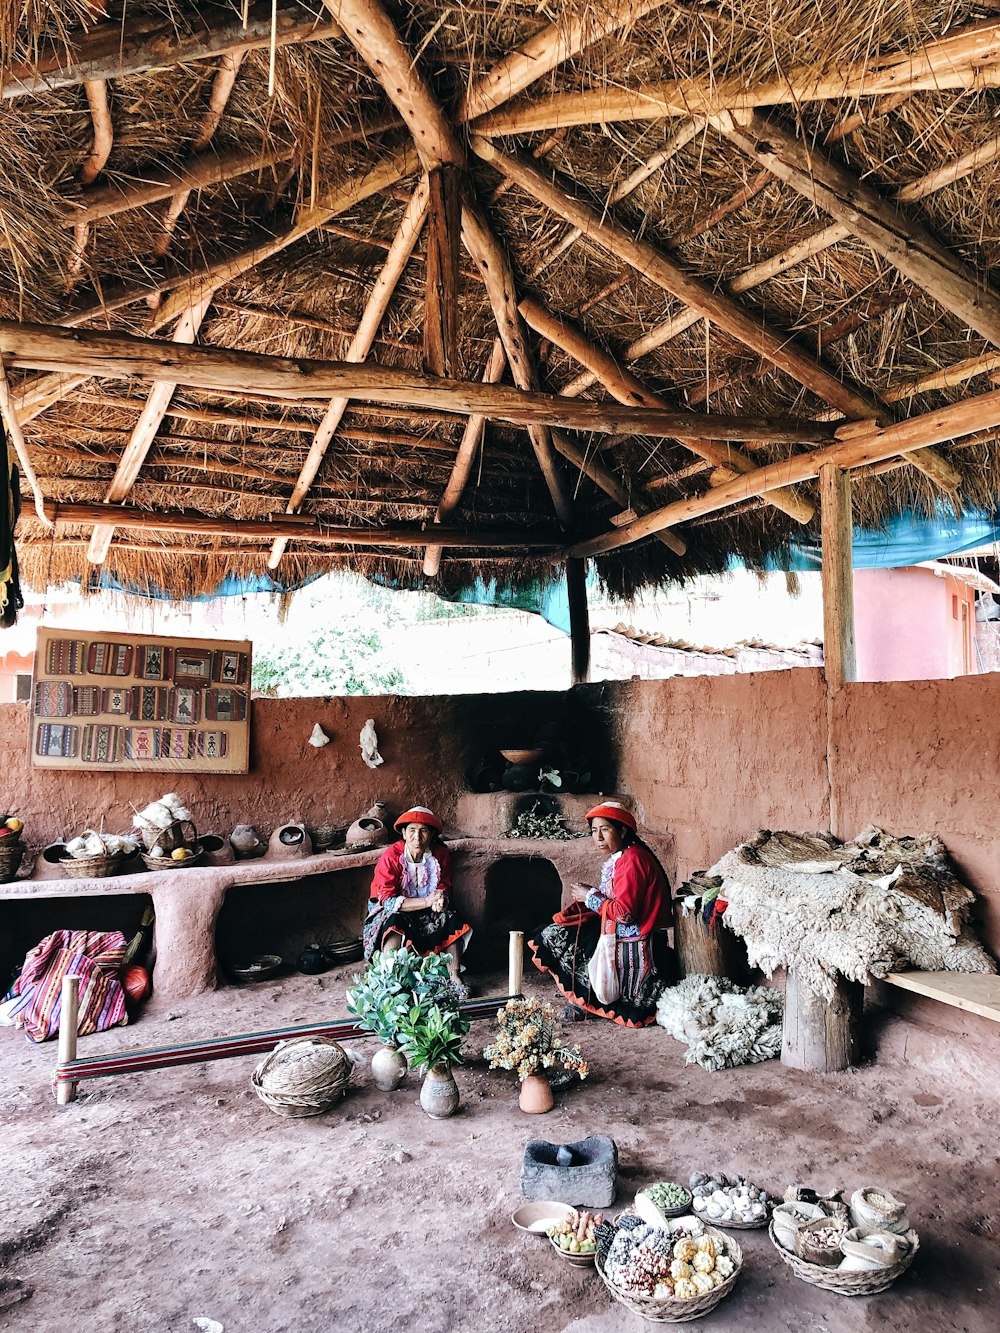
{"type": "Point", "coordinates": [319, 738]}
{"type": "Point", "coordinates": [369, 745]}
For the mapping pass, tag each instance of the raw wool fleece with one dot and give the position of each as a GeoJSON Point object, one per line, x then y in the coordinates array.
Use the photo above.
{"type": "Point", "coordinates": [722, 1024]}
{"type": "Point", "coordinates": [861, 908]}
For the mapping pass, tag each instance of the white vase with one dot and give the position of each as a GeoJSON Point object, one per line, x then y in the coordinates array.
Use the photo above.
{"type": "Point", "coordinates": [439, 1093]}
{"type": "Point", "coordinates": [389, 1068]}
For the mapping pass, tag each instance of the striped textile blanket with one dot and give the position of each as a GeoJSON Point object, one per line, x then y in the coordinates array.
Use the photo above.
{"type": "Point", "coordinates": [94, 957]}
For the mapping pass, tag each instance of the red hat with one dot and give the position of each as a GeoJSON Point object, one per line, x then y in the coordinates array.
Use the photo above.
{"type": "Point", "coordinates": [612, 810]}
{"type": "Point", "coordinates": [418, 814]}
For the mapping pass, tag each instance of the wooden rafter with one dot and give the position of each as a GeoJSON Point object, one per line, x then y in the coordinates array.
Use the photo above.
{"type": "Point", "coordinates": [967, 60]}
{"type": "Point", "coordinates": [142, 437]}
{"type": "Point", "coordinates": [905, 243]}
{"type": "Point", "coordinates": [658, 267]}
{"type": "Point", "coordinates": [622, 385]}
{"type": "Point", "coordinates": [361, 344]}
{"type": "Point", "coordinates": [443, 298]}
{"type": "Point", "coordinates": [121, 356]}
{"type": "Point", "coordinates": [862, 446]}
{"type": "Point", "coordinates": [139, 45]}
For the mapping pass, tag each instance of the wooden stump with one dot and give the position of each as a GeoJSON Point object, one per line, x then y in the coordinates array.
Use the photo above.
{"type": "Point", "coordinates": [821, 1035]}
{"type": "Point", "coordinates": [717, 952]}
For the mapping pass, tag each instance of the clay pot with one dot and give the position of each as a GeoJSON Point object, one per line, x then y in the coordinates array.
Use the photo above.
{"type": "Point", "coordinates": [536, 1095]}
{"type": "Point", "coordinates": [246, 842]}
{"type": "Point", "coordinates": [389, 1068]}
{"type": "Point", "coordinates": [289, 842]}
{"type": "Point", "coordinates": [439, 1092]}
{"type": "Point", "coordinates": [217, 850]}
{"type": "Point", "coordinates": [371, 829]}
{"type": "Point", "coordinates": [520, 777]}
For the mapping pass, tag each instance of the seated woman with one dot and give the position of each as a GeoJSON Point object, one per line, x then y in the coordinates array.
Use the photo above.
{"type": "Point", "coordinates": [633, 898]}
{"type": "Point", "coordinates": [410, 892]}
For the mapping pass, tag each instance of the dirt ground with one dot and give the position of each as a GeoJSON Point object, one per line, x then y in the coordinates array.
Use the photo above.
{"type": "Point", "coordinates": [161, 1200]}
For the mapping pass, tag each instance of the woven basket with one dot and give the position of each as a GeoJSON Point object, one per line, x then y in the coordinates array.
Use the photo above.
{"type": "Point", "coordinates": [92, 867]}
{"type": "Point", "coordinates": [10, 859]}
{"type": "Point", "coordinates": [671, 1310]}
{"type": "Point", "coordinates": [856, 1283]}
{"type": "Point", "coordinates": [302, 1077]}
{"type": "Point", "coordinates": [168, 863]}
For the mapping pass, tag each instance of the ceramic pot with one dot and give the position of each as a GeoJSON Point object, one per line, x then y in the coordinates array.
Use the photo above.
{"type": "Point", "coordinates": [289, 842]}
{"type": "Point", "coordinates": [217, 849]}
{"type": "Point", "coordinates": [371, 829]}
{"type": "Point", "coordinates": [246, 842]}
{"type": "Point", "coordinates": [536, 1095]}
{"type": "Point", "coordinates": [439, 1092]}
{"type": "Point", "coordinates": [389, 1068]}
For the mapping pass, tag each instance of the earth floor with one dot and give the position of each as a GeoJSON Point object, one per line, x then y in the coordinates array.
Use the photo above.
{"type": "Point", "coordinates": [159, 1201]}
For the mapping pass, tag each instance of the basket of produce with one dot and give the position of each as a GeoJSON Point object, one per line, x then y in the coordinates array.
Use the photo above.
{"type": "Point", "coordinates": [655, 1203]}
{"type": "Point", "coordinates": [865, 1264]}
{"type": "Point", "coordinates": [574, 1238]}
{"type": "Point", "coordinates": [96, 855]}
{"type": "Point", "coordinates": [732, 1202]}
{"type": "Point", "coordinates": [302, 1077]}
{"type": "Point", "coordinates": [671, 1274]}
{"type": "Point", "coordinates": [11, 849]}
{"type": "Point", "coordinates": [178, 859]}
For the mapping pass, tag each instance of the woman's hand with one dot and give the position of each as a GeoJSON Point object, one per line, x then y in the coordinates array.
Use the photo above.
{"type": "Point", "coordinates": [581, 892]}
{"type": "Point", "coordinates": [437, 901]}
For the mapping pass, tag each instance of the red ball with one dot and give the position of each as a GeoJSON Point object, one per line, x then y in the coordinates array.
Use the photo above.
{"type": "Point", "coordinates": [136, 982]}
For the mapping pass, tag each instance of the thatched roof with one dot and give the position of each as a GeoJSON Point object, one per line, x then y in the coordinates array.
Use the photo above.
{"type": "Point", "coordinates": [692, 145]}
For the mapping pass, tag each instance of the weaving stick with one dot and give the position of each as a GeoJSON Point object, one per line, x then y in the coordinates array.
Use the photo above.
{"type": "Point", "coordinates": [69, 1018]}
{"type": "Point", "coordinates": [515, 972]}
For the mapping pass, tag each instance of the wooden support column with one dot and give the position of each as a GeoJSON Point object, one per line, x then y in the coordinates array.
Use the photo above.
{"type": "Point", "coordinates": [69, 1019]}
{"type": "Point", "coordinates": [515, 965]}
{"type": "Point", "coordinates": [838, 590]}
{"type": "Point", "coordinates": [818, 1034]}
{"type": "Point", "coordinates": [441, 309]}
{"type": "Point", "coordinates": [579, 619]}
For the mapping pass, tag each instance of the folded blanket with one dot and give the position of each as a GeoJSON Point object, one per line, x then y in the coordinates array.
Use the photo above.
{"type": "Point", "coordinates": [95, 958]}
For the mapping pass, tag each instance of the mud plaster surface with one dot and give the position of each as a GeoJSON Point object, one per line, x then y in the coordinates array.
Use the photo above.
{"type": "Point", "coordinates": [161, 1197]}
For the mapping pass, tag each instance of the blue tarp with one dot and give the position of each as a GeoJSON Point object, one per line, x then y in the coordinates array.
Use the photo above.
{"type": "Point", "coordinates": [231, 586]}
{"type": "Point", "coordinates": [906, 541]}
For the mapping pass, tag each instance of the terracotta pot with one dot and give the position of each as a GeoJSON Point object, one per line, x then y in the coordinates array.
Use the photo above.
{"type": "Point", "coordinates": [389, 1068]}
{"type": "Point", "coordinates": [439, 1093]}
{"type": "Point", "coordinates": [536, 1095]}
{"type": "Point", "coordinates": [246, 842]}
{"type": "Point", "coordinates": [289, 842]}
{"type": "Point", "coordinates": [217, 849]}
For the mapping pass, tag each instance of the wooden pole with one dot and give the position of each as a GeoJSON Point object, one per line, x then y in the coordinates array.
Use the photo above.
{"type": "Point", "coordinates": [442, 291]}
{"type": "Point", "coordinates": [839, 656]}
{"type": "Point", "coordinates": [69, 1018]}
{"type": "Point", "coordinates": [515, 967]}
{"type": "Point", "coordinates": [579, 620]}
{"type": "Point", "coordinates": [817, 1034]}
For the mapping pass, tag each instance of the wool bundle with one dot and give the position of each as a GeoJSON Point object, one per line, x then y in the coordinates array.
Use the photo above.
{"type": "Point", "coordinates": [861, 908]}
{"type": "Point", "coordinates": [721, 1023]}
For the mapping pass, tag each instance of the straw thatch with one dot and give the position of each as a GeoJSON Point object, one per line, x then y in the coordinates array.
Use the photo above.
{"type": "Point", "coordinates": [324, 119]}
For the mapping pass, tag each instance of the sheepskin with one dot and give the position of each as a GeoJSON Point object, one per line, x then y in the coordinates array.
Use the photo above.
{"type": "Point", "coordinates": [722, 1024]}
{"type": "Point", "coordinates": [860, 908]}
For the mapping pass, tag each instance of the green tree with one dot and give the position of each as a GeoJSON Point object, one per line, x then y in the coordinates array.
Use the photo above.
{"type": "Point", "coordinates": [338, 659]}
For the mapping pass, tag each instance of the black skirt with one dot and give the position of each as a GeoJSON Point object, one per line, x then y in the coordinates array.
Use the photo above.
{"type": "Point", "coordinates": [424, 931]}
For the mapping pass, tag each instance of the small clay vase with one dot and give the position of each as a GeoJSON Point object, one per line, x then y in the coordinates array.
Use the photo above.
{"type": "Point", "coordinates": [370, 830]}
{"type": "Point", "coordinates": [536, 1095]}
{"type": "Point", "coordinates": [289, 841]}
{"type": "Point", "coordinates": [246, 842]}
{"type": "Point", "coordinates": [439, 1092]}
{"type": "Point", "coordinates": [389, 1068]}
{"type": "Point", "coordinates": [218, 850]}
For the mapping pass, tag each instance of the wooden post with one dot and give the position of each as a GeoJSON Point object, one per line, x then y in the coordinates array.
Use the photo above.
{"type": "Point", "coordinates": [821, 1035]}
{"type": "Point", "coordinates": [579, 620]}
{"type": "Point", "coordinates": [443, 292]}
{"type": "Point", "coordinates": [839, 655]}
{"type": "Point", "coordinates": [515, 970]}
{"type": "Point", "coordinates": [716, 952]}
{"type": "Point", "coordinates": [69, 1018]}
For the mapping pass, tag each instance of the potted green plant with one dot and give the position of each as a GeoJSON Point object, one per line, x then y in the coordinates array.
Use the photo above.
{"type": "Point", "coordinates": [431, 1037]}
{"type": "Point", "coordinates": [529, 1043]}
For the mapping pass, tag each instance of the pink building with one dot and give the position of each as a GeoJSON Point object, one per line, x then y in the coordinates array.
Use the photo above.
{"type": "Point", "coordinates": [917, 623]}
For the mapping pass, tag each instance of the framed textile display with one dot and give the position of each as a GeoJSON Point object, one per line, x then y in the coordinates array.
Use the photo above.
{"type": "Point", "coordinates": [127, 701]}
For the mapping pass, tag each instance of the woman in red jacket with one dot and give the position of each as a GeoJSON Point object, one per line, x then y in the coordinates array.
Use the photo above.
{"type": "Point", "coordinates": [411, 890]}
{"type": "Point", "coordinates": [632, 901]}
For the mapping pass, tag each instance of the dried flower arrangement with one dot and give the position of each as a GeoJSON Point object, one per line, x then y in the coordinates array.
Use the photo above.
{"type": "Point", "coordinates": [529, 1042]}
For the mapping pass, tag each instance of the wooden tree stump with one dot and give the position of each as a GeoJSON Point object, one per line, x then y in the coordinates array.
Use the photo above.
{"type": "Point", "coordinates": [821, 1035]}
{"type": "Point", "coordinates": [718, 952]}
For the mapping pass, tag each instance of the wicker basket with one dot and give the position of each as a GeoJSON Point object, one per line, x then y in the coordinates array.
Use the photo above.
{"type": "Point", "coordinates": [302, 1077]}
{"type": "Point", "coordinates": [856, 1283]}
{"type": "Point", "coordinates": [10, 859]}
{"type": "Point", "coordinates": [92, 867]}
{"type": "Point", "coordinates": [168, 863]}
{"type": "Point", "coordinates": [671, 1310]}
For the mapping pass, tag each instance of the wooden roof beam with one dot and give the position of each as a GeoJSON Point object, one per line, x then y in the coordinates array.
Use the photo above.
{"type": "Point", "coordinates": [142, 437]}
{"type": "Point", "coordinates": [624, 386]}
{"type": "Point", "coordinates": [361, 344]}
{"type": "Point", "coordinates": [442, 289]}
{"type": "Point", "coordinates": [861, 447]}
{"type": "Point", "coordinates": [112, 355]}
{"type": "Point", "coordinates": [150, 42]}
{"type": "Point", "coordinates": [966, 60]}
{"type": "Point", "coordinates": [907, 245]}
{"type": "Point", "coordinates": [658, 267]}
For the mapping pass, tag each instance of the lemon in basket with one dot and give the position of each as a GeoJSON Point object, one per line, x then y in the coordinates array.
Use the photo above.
{"type": "Point", "coordinates": [180, 854]}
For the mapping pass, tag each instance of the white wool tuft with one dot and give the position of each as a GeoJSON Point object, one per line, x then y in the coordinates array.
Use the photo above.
{"type": "Point", "coordinates": [722, 1024]}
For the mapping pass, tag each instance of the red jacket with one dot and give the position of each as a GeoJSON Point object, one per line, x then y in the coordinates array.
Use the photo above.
{"type": "Point", "coordinates": [388, 879]}
{"type": "Point", "coordinates": [640, 892]}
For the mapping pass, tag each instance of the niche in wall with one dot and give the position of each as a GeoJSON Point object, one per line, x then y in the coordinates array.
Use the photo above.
{"type": "Point", "coordinates": [25, 924]}
{"type": "Point", "coordinates": [522, 893]}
